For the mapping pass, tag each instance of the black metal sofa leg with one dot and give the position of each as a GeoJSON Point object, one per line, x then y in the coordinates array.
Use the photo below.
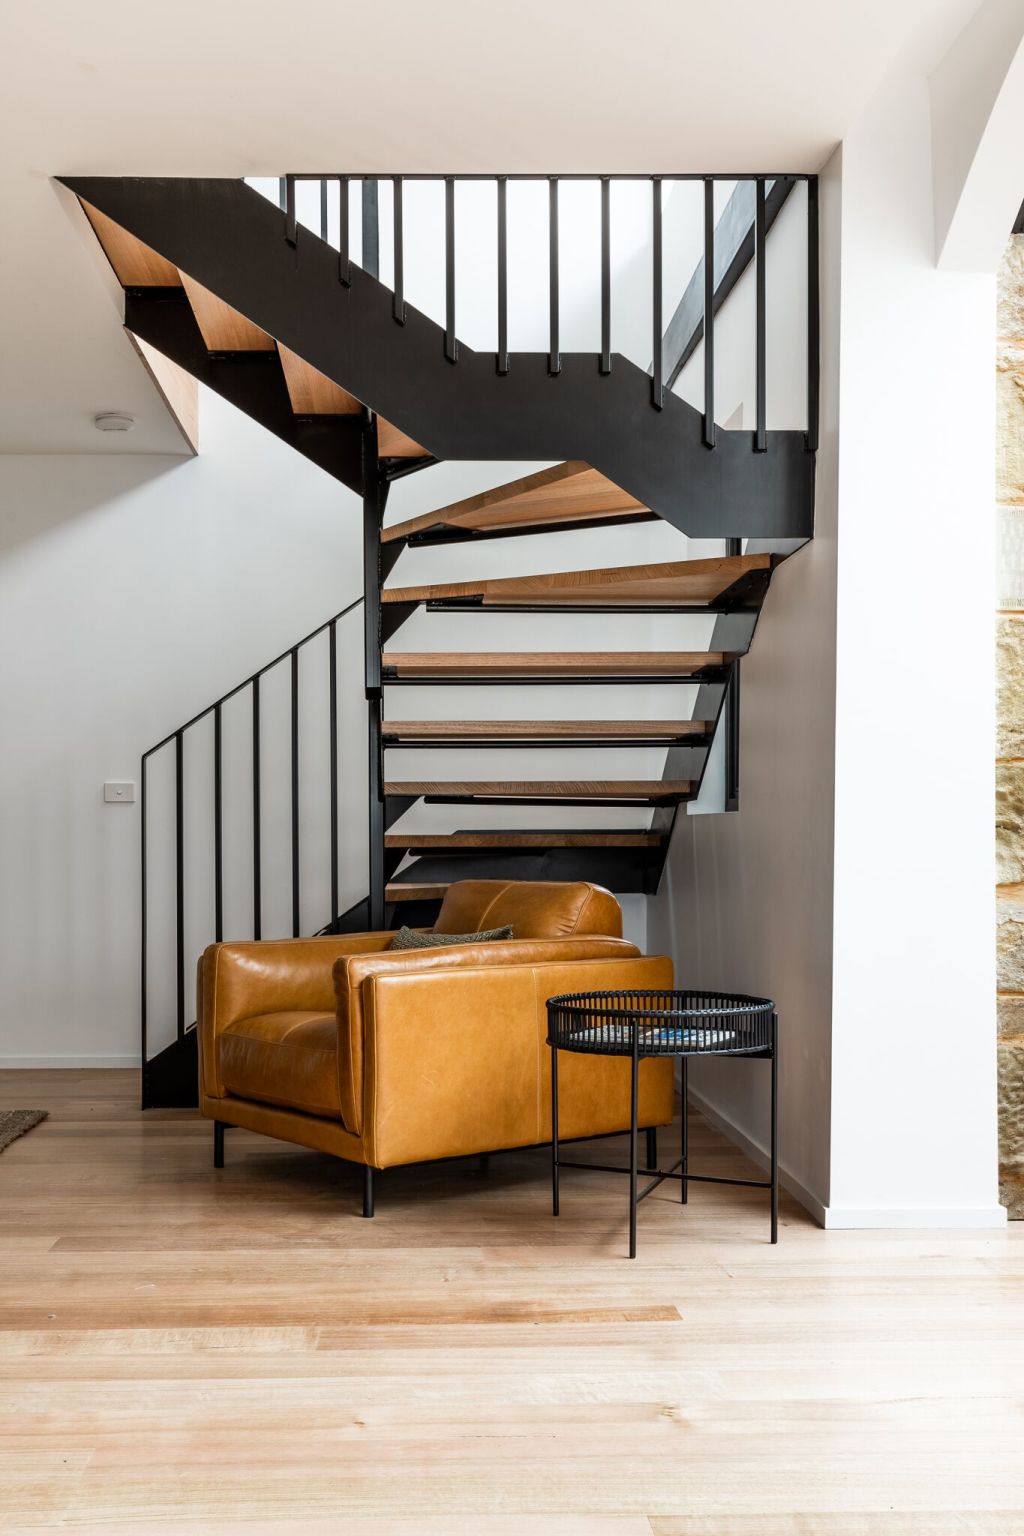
{"type": "Point", "coordinates": [652, 1146]}
{"type": "Point", "coordinates": [367, 1190]}
{"type": "Point", "coordinates": [219, 1127]}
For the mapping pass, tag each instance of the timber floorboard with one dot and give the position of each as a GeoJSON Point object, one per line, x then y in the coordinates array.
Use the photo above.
{"type": "Point", "coordinates": [184, 1350]}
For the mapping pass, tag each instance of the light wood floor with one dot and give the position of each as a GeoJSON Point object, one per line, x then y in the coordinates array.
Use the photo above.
{"type": "Point", "coordinates": [183, 1350]}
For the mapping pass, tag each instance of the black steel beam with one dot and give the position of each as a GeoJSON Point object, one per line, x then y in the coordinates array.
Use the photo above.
{"type": "Point", "coordinates": [231, 240]}
{"type": "Point", "coordinates": [252, 381]}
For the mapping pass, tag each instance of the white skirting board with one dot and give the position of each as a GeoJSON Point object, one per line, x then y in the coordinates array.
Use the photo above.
{"type": "Point", "coordinates": [839, 1218]}
{"type": "Point", "coordinates": [76, 1063]}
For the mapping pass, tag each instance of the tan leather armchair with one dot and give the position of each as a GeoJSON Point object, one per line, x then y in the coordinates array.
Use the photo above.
{"type": "Point", "coordinates": [388, 1057]}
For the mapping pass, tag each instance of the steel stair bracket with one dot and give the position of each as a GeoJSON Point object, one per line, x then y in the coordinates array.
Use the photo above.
{"type": "Point", "coordinates": [232, 241]}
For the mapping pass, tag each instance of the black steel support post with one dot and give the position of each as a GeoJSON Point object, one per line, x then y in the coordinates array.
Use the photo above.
{"type": "Point", "coordinates": [775, 1128]}
{"type": "Point", "coordinates": [218, 1143]}
{"type": "Point", "coordinates": [374, 495]}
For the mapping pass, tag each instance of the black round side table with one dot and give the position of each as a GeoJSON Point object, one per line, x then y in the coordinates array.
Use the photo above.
{"type": "Point", "coordinates": [646, 1024]}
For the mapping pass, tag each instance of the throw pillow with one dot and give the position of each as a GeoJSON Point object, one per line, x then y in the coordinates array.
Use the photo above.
{"type": "Point", "coordinates": [408, 938]}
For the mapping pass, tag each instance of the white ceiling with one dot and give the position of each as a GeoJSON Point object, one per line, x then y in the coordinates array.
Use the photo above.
{"type": "Point", "coordinates": [211, 87]}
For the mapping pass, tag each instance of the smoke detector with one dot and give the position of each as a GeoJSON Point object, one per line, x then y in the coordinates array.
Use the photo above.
{"type": "Point", "coordinates": [113, 421]}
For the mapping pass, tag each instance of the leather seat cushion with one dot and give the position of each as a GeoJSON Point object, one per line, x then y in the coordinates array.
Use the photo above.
{"type": "Point", "coordinates": [283, 1058]}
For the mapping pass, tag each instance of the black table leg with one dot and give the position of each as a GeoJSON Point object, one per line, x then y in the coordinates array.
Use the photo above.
{"type": "Point", "coordinates": [633, 1095]}
{"type": "Point", "coordinates": [775, 1128]}
{"type": "Point", "coordinates": [685, 1130]}
{"type": "Point", "coordinates": [554, 1130]}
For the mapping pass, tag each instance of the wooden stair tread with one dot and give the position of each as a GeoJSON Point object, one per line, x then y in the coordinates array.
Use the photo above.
{"type": "Point", "coordinates": [569, 492]}
{"type": "Point", "coordinates": [415, 890]}
{"type": "Point", "coordinates": [441, 840]}
{"type": "Point", "coordinates": [675, 581]}
{"type": "Point", "coordinates": [548, 663]}
{"type": "Point", "coordinates": [311, 392]}
{"type": "Point", "coordinates": [525, 730]}
{"type": "Point", "coordinates": [222, 328]}
{"type": "Point", "coordinates": [544, 788]}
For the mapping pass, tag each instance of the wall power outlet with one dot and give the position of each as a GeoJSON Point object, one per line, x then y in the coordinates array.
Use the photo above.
{"type": "Point", "coordinates": [119, 792]}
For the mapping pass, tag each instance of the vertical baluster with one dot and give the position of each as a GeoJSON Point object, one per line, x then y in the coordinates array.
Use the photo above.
{"type": "Point", "coordinates": [257, 880]}
{"type": "Point", "coordinates": [761, 434]}
{"type": "Point", "coordinates": [371, 229]}
{"type": "Point", "coordinates": [291, 232]}
{"type": "Point", "coordinates": [344, 261]}
{"type": "Point", "coordinates": [218, 826]}
{"type": "Point", "coordinates": [502, 362]}
{"type": "Point", "coordinates": [606, 276]}
{"type": "Point", "coordinates": [144, 936]}
{"type": "Point", "coordinates": [323, 209]}
{"type": "Point", "coordinates": [813, 315]}
{"type": "Point", "coordinates": [709, 312]}
{"type": "Point", "coordinates": [657, 372]}
{"type": "Point", "coordinates": [451, 346]}
{"type": "Point", "coordinates": [333, 674]}
{"type": "Point", "coordinates": [179, 877]}
{"type": "Point", "coordinates": [554, 357]}
{"type": "Point", "coordinates": [398, 301]}
{"type": "Point", "coordinates": [296, 924]}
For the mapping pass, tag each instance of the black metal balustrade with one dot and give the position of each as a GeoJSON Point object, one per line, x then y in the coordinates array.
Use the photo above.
{"type": "Point", "coordinates": [728, 245]}
{"type": "Point", "coordinates": [173, 1082]}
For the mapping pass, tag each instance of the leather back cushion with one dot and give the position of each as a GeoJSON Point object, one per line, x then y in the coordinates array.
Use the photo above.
{"type": "Point", "coordinates": [536, 909]}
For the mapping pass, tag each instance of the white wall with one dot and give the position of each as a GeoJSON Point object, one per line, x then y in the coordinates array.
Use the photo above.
{"type": "Point", "coordinates": [913, 1055]}
{"type": "Point", "coordinates": [888, 1106]}
{"type": "Point", "coordinates": [745, 902]}
{"type": "Point", "coordinates": [133, 590]}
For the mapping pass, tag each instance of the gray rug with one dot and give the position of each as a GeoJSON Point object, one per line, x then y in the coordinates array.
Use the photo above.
{"type": "Point", "coordinates": [15, 1122]}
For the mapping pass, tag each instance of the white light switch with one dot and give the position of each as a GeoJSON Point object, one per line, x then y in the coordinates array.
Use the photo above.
{"type": "Point", "coordinates": [119, 793]}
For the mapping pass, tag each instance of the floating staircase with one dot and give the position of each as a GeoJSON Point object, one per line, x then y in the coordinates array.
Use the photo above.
{"type": "Point", "coordinates": [335, 362]}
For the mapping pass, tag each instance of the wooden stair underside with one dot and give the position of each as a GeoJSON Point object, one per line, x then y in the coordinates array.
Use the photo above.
{"type": "Point", "coordinates": [532, 664]}
{"type": "Point", "coordinates": [565, 494]}
{"type": "Point", "coordinates": [643, 790]}
{"type": "Point", "coordinates": [224, 330]}
{"type": "Point", "coordinates": [426, 731]}
{"type": "Point", "coordinates": [440, 841]}
{"type": "Point", "coordinates": [697, 582]}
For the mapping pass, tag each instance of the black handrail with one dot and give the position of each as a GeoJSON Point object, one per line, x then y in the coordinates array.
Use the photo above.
{"type": "Point", "coordinates": [177, 738]}
{"type": "Point", "coordinates": [742, 243]}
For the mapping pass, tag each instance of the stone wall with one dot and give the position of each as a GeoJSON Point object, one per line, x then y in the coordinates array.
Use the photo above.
{"type": "Point", "coordinates": [1010, 727]}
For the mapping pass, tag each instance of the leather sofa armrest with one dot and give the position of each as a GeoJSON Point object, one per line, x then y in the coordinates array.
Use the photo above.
{"type": "Point", "coordinates": [456, 1060]}
{"type": "Point", "coordinates": [241, 979]}
{"type": "Point", "coordinates": [352, 973]}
